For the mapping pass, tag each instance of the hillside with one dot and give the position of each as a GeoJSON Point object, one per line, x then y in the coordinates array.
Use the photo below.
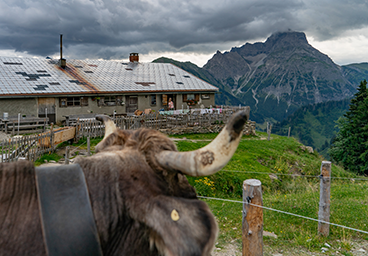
{"type": "Point", "coordinates": [314, 125]}
{"type": "Point", "coordinates": [289, 176]}
{"type": "Point", "coordinates": [356, 72]}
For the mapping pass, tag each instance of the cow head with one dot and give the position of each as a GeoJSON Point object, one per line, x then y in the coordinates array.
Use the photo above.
{"type": "Point", "coordinates": [156, 209]}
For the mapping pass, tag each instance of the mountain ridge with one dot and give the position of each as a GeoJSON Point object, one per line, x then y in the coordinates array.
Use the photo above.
{"type": "Point", "coordinates": [277, 77]}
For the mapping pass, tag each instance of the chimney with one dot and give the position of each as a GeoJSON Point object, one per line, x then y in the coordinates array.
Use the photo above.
{"type": "Point", "coordinates": [134, 57]}
{"type": "Point", "coordinates": [62, 61]}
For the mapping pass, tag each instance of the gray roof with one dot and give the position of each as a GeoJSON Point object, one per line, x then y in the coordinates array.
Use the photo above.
{"type": "Point", "coordinates": [31, 76]}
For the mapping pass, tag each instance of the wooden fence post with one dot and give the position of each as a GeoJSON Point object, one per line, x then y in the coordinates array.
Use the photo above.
{"type": "Point", "coordinates": [289, 132]}
{"type": "Point", "coordinates": [18, 122]}
{"type": "Point", "coordinates": [52, 137]}
{"type": "Point", "coordinates": [77, 131]}
{"type": "Point", "coordinates": [252, 218]}
{"type": "Point", "coordinates": [67, 155]}
{"type": "Point", "coordinates": [269, 128]}
{"type": "Point", "coordinates": [324, 198]}
{"type": "Point", "coordinates": [88, 145]}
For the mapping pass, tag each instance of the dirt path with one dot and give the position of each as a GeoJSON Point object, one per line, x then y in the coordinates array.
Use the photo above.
{"type": "Point", "coordinates": [359, 248]}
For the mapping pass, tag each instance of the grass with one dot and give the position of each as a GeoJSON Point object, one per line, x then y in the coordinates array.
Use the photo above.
{"type": "Point", "coordinates": [81, 144]}
{"type": "Point", "coordinates": [256, 158]}
{"type": "Point", "coordinates": [47, 158]}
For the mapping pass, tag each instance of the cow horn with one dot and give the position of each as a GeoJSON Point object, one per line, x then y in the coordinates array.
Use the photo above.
{"type": "Point", "coordinates": [211, 158]}
{"type": "Point", "coordinates": [110, 126]}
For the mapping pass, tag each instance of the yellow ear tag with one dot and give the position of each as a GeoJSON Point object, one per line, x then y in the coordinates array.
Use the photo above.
{"type": "Point", "coordinates": [175, 215]}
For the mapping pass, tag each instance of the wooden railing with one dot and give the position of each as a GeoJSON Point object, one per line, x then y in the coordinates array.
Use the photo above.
{"type": "Point", "coordinates": [94, 128]}
{"type": "Point", "coordinates": [32, 147]}
{"type": "Point", "coordinates": [22, 125]}
{"type": "Point", "coordinates": [28, 147]}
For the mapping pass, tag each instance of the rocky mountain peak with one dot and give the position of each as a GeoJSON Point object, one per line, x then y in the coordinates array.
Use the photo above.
{"type": "Point", "coordinates": [289, 37]}
{"type": "Point", "coordinates": [282, 74]}
{"type": "Point", "coordinates": [278, 76]}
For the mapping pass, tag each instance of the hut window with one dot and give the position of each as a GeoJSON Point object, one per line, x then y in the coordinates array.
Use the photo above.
{"type": "Point", "coordinates": [192, 96]}
{"type": "Point", "coordinates": [153, 100]}
{"type": "Point", "coordinates": [84, 101]}
{"type": "Point", "coordinates": [110, 100]}
{"type": "Point", "coordinates": [73, 102]}
{"type": "Point", "coordinates": [205, 96]}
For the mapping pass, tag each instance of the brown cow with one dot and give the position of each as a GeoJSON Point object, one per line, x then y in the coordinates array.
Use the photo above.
{"type": "Point", "coordinates": [136, 180]}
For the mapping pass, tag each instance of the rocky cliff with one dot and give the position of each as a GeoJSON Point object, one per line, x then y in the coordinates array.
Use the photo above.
{"type": "Point", "coordinates": [280, 75]}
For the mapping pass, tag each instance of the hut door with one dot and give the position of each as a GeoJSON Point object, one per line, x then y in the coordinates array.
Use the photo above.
{"type": "Point", "coordinates": [49, 104]}
{"type": "Point", "coordinates": [132, 104]}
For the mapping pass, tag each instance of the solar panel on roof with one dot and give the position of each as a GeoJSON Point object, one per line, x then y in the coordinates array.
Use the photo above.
{"type": "Point", "coordinates": [41, 87]}
{"type": "Point", "coordinates": [12, 63]}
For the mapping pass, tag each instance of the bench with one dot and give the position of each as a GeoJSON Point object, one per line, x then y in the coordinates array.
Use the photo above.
{"type": "Point", "coordinates": [71, 120]}
{"type": "Point", "coordinates": [24, 126]}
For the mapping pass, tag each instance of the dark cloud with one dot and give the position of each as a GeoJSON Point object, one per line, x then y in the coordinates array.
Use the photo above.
{"type": "Point", "coordinates": [111, 29]}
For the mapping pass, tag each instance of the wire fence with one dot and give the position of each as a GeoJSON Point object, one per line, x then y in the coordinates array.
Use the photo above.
{"type": "Point", "coordinates": [298, 175]}
{"type": "Point", "coordinates": [284, 212]}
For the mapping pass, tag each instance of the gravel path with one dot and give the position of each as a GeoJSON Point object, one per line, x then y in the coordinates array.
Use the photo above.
{"type": "Point", "coordinates": [359, 248]}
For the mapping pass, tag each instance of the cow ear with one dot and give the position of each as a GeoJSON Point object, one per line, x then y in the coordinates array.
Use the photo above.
{"type": "Point", "coordinates": [181, 226]}
{"type": "Point", "coordinates": [110, 126]}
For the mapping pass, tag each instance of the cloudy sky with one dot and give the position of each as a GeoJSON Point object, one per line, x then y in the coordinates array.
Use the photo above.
{"type": "Point", "coordinates": [186, 30]}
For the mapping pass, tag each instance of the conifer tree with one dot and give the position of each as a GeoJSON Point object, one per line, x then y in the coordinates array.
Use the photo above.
{"type": "Point", "coordinates": [350, 147]}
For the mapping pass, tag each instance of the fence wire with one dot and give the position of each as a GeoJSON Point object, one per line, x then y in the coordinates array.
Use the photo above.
{"type": "Point", "coordinates": [288, 213]}
{"type": "Point", "coordinates": [296, 175]}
